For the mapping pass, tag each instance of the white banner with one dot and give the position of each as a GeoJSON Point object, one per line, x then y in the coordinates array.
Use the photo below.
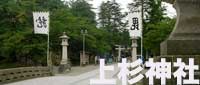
{"type": "Point", "coordinates": [41, 22]}
{"type": "Point", "coordinates": [135, 24]}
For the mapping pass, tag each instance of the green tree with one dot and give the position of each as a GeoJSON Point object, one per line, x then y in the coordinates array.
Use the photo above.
{"type": "Point", "coordinates": [156, 26]}
{"type": "Point", "coordinates": [81, 8]}
{"type": "Point", "coordinates": [111, 19]}
{"type": "Point", "coordinates": [17, 41]}
{"type": "Point", "coordinates": [160, 31]}
{"type": "Point", "coordinates": [20, 47]}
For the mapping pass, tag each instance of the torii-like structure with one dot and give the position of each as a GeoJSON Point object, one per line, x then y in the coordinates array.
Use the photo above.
{"type": "Point", "coordinates": [119, 48]}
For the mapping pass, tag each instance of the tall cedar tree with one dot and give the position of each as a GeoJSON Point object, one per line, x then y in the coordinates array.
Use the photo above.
{"type": "Point", "coordinates": [112, 20]}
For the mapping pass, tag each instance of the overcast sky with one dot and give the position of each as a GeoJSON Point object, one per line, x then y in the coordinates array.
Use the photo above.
{"type": "Point", "coordinates": [96, 3]}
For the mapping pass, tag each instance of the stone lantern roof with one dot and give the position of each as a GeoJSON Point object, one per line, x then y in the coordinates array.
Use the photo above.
{"type": "Point", "coordinates": [64, 36]}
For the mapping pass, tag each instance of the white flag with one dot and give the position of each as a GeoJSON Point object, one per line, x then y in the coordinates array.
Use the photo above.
{"type": "Point", "coordinates": [135, 24]}
{"type": "Point", "coordinates": [41, 22]}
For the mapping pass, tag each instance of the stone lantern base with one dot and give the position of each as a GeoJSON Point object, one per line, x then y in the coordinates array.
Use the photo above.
{"type": "Point", "coordinates": [64, 67]}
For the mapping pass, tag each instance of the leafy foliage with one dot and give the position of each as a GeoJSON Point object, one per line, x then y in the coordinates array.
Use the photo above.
{"type": "Point", "coordinates": [156, 27]}
{"type": "Point", "coordinates": [160, 31]}
{"type": "Point", "coordinates": [111, 19]}
{"type": "Point", "coordinates": [19, 45]}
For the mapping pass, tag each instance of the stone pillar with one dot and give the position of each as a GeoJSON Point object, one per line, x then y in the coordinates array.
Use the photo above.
{"type": "Point", "coordinates": [134, 49]}
{"type": "Point", "coordinates": [119, 54]}
{"type": "Point", "coordinates": [64, 55]}
{"type": "Point", "coordinates": [185, 38]}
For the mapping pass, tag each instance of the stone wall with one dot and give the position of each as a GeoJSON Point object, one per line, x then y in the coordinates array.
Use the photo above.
{"type": "Point", "coordinates": [22, 73]}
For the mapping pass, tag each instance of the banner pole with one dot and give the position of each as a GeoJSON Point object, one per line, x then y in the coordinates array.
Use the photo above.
{"type": "Point", "coordinates": [142, 29]}
{"type": "Point", "coordinates": [48, 58]}
{"type": "Point", "coordinates": [48, 55]}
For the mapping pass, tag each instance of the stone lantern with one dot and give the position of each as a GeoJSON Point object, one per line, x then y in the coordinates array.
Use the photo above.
{"type": "Point", "coordinates": [64, 64]}
{"type": "Point", "coordinates": [185, 38]}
